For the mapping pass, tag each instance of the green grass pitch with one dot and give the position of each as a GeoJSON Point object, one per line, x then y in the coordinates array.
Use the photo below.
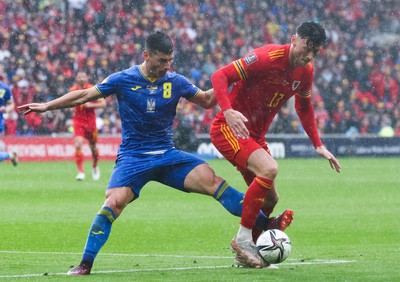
{"type": "Point", "coordinates": [346, 225]}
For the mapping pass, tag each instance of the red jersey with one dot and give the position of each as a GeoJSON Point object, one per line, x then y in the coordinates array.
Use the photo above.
{"type": "Point", "coordinates": [84, 115]}
{"type": "Point", "coordinates": [263, 82]}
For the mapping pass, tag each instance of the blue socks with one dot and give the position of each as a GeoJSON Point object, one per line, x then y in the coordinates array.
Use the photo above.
{"type": "Point", "coordinates": [4, 156]}
{"type": "Point", "coordinates": [232, 200]}
{"type": "Point", "coordinates": [98, 234]}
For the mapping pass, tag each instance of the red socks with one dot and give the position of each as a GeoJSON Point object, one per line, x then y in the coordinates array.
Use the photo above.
{"type": "Point", "coordinates": [79, 160]}
{"type": "Point", "coordinates": [254, 199]}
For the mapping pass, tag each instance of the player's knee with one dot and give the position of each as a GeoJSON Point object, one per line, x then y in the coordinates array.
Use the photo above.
{"type": "Point", "coordinates": [117, 200]}
{"type": "Point", "coordinates": [203, 180]}
{"type": "Point", "coordinates": [210, 184]}
{"type": "Point", "coordinates": [270, 171]}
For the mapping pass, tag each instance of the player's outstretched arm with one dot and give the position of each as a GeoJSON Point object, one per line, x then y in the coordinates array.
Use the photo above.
{"type": "Point", "coordinates": [71, 99]}
{"type": "Point", "coordinates": [205, 99]}
{"type": "Point", "coordinates": [97, 104]}
{"type": "Point", "coordinates": [323, 152]}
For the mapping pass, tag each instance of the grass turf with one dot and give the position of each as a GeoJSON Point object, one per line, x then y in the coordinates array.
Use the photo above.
{"type": "Point", "coordinates": [346, 225]}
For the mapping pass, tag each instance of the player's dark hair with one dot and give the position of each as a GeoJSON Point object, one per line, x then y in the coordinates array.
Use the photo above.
{"type": "Point", "coordinates": [313, 32]}
{"type": "Point", "coordinates": [159, 42]}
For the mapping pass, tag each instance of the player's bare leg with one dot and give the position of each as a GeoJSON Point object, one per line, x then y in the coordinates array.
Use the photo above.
{"type": "Point", "coordinates": [95, 167]}
{"type": "Point", "coordinates": [13, 158]}
{"type": "Point", "coordinates": [79, 158]}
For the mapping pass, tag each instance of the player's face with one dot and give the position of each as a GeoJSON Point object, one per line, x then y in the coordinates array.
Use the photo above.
{"type": "Point", "coordinates": [159, 63]}
{"type": "Point", "coordinates": [303, 51]}
{"type": "Point", "coordinates": [81, 78]}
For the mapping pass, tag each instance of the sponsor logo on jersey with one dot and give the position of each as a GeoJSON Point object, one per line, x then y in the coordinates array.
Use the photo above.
{"type": "Point", "coordinates": [151, 105]}
{"type": "Point", "coordinates": [295, 84]}
{"type": "Point", "coordinates": [249, 59]}
{"type": "Point", "coordinates": [152, 88]}
{"type": "Point", "coordinates": [136, 88]}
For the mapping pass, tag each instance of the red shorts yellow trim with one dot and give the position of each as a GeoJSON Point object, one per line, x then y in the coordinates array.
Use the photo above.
{"type": "Point", "coordinates": [88, 132]}
{"type": "Point", "coordinates": [235, 150]}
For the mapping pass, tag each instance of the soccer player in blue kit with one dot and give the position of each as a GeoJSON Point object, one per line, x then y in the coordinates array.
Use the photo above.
{"type": "Point", "coordinates": [6, 106]}
{"type": "Point", "coordinates": [147, 95]}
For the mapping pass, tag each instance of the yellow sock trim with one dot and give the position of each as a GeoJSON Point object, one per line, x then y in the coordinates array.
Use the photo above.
{"type": "Point", "coordinates": [107, 214]}
{"type": "Point", "coordinates": [221, 190]}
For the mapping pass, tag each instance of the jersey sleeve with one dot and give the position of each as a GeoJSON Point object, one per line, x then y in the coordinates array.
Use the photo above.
{"type": "Point", "coordinates": [252, 64]}
{"type": "Point", "coordinates": [308, 78]}
{"type": "Point", "coordinates": [237, 70]}
{"type": "Point", "coordinates": [188, 90]}
{"type": "Point", "coordinates": [305, 109]}
{"type": "Point", "coordinates": [109, 85]}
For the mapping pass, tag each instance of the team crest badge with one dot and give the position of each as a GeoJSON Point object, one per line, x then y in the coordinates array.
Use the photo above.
{"type": "Point", "coordinates": [295, 84]}
{"type": "Point", "coordinates": [151, 105]}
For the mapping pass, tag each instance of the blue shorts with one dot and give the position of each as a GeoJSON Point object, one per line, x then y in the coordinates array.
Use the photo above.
{"type": "Point", "coordinates": [170, 168]}
{"type": "Point", "coordinates": [1, 125]}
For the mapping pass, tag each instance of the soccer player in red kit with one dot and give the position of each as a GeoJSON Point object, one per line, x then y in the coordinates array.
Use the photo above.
{"type": "Point", "coordinates": [84, 122]}
{"type": "Point", "coordinates": [262, 82]}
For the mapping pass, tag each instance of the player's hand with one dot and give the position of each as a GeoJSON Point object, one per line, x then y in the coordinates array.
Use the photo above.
{"type": "Point", "coordinates": [33, 107]}
{"type": "Point", "coordinates": [236, 121]}
{"type": "Point", "coordinates": [323, 152]}
{"type": "Point", "coordinates": [2, 109]}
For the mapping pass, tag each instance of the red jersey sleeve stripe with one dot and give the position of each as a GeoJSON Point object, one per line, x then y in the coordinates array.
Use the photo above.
{"type": "Point", "coordinates": [305, 94]}
{"type": "Point", "coordinates": [230, 138]}
{"type": "Point", "coordinates": [277, 54]}
{"type": "Point", "coordinates": [239, 68]}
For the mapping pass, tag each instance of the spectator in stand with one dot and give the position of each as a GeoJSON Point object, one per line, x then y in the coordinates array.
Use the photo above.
{"type": "Point", "coordinates": [321, 115]}
{"type": "Point", "coordinates": [397, 129]}
{"type": "Point", "coordinates": [208, 35]}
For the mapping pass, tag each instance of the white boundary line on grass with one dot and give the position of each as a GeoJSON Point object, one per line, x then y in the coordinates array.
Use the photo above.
{"type": "Point", "coordinates": [112, 254]}
{"type": "Point", "coordinates": [296, 262]}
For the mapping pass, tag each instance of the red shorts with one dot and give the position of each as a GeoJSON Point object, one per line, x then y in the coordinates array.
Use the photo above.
{"type": "Point", "coordinates": [89, 132]}
{"type": "Point", "coordinates": [235, 150]}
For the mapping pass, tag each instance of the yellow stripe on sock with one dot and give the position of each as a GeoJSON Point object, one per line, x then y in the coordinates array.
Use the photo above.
{"type": "Point", "coordinates": [108, 214]}
{"type": "Point", "coordinates": [222, 190]}
{"type": "Point", "coordinates": [263, 183]}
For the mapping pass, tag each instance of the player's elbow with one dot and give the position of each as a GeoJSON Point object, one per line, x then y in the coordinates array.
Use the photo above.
{"type": "Point", "coordinates": [217, 75]}
{"type": "Point", "coordinates": [210, 104]}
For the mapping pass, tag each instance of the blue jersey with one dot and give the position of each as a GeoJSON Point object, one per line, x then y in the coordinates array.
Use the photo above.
{"type": "Point", "coordinates": [147, 109]}
{"type": "Point", "coordinates": [5, 97]}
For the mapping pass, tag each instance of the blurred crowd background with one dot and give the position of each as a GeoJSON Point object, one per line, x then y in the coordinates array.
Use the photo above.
{"type": "Point", "coordinates": [357, 76]}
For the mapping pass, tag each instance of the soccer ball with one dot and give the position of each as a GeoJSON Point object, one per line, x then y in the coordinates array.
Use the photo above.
{"type": "Point", "coordinates": [274, 246]}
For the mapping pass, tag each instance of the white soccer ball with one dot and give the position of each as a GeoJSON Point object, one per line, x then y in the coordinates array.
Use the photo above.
{"type": "Point", "coordinates": [274, 245]}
